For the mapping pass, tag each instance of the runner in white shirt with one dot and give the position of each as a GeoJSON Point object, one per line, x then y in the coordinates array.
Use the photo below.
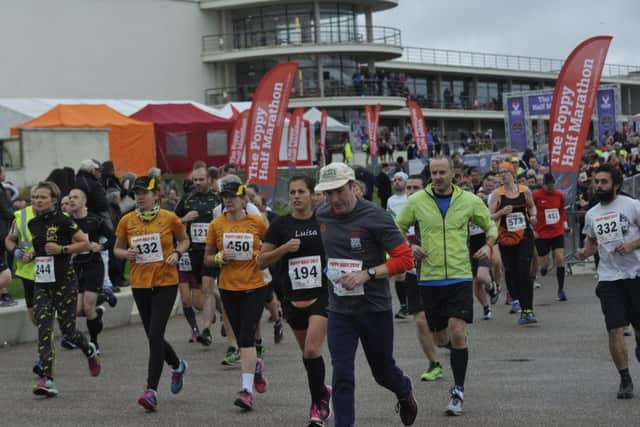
{"type": "Point", "coordinates": [612, 227]}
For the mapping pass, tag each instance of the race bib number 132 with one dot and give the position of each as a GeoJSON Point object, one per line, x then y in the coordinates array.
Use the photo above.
{"type": "Point", "coordinates": [148, 248]}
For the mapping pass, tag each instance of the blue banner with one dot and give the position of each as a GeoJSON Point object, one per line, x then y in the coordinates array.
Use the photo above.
{"type": "Point", "coordinates": [606, 108]}
{"type": "Point", "coordinates": [517, 125]}
{"type": "Point", "coordinates": [540, 105]}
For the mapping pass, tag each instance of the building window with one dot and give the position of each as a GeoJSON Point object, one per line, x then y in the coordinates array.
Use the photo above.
{"type": "Point", "coordinates": [176, 145]}
{"type": "Point", "coordinates": [217, 143]}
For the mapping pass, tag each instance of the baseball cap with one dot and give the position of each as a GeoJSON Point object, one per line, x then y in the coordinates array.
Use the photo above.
{"type": "Point", "coordinates": [146, 183]}
{"type": "Point", "coordinates": [334, 175]}
{"type": "Point", "coordinates": [548, 179]}
{"type": "Point", "coordinates": [232, 189]}
{"type": "Point", "coordinates": [508, 166]}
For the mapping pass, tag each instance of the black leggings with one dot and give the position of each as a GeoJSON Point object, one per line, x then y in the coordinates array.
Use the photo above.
{"type": "Point", "coordinates": [154, 306]}
{"type": "Point", "coordinates": [244, 309]}
{"type": "Point", "coordinates": [50, 301]}
{"type": "Point", "coordinates": [517, 265]}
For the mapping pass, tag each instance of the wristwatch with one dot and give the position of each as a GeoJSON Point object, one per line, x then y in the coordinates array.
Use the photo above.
{"type": "Point", "coordinates": [372, 273]}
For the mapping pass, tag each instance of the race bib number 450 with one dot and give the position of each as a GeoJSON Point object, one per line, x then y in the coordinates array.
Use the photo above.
{"type": "Point", "coordinates": [148, 248]}
{"type": "Point", "coordinates": [45, 271]}
{"type": "Point", "coordinates": [240, 243]}
{"type": "Point", "coordinates": [337, 267]}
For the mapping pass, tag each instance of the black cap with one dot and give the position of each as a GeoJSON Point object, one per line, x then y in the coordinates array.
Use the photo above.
{"type": "Point", "coordinates": [233, 189]}
{"type": "Point", "coordinates": [145, 183]}
{"type": "Point", "coordinates": [548, 179]}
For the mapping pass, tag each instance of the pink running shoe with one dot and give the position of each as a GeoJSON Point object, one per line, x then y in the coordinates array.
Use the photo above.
{"type": "Point", "coordinates": [259, 381]}
{"type": "Point", "coordinates": [149, 400]}
{"type": "Point", "coordinates": [244, 400]}
{"type": "Point", "coordinates": [94, 361]}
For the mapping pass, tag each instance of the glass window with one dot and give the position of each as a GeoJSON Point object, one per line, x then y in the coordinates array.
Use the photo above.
{"type": "Point", "coordinates": [217, 143]}
{"type": "Point", "coordinates": [176, 144]}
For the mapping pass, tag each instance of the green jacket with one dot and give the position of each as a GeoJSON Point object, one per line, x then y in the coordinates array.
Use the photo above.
{"type": "Point", "coordinates": [444, 238]}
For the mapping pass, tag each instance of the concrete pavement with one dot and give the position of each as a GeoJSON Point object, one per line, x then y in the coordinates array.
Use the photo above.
{"type": "Point", "coordinates": [555, 373]}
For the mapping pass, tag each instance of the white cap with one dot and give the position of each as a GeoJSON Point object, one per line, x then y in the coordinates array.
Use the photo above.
{"type": "Point", "coordinates": [334, 175]}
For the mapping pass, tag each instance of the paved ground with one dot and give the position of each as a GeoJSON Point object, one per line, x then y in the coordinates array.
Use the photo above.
{"type": "Point", "coordinates": [556, 373]}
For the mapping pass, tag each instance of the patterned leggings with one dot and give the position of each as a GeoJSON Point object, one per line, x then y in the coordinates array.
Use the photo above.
{"type": "Point", "coordinates": [59, 300]}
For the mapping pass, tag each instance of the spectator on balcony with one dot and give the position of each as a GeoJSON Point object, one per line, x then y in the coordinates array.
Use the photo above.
{"type": "Point", "coordinates": [358, 83]}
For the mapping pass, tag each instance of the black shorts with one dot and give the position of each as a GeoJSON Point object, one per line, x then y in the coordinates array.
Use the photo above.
{"type": "Point", "coordinates": [298, 318]}
{"type": "Point", "coordinates": [545, 245]}
{"type": "Point", "coordinates": [444, 302]}
{"type": "Point", "coordinates": [198, 269]}
{"type": "Point", "coordinates": [414, 298]}
{"type": "Point", "coordinates": [620, 302]}
{"type": "Point", "coordinates": [28, 285]}
{"type": "Point", "coordinates": [90, 276]}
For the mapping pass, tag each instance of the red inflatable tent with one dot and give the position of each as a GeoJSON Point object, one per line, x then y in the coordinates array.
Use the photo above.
{"type": "Point", "coordinates": [184, 134]}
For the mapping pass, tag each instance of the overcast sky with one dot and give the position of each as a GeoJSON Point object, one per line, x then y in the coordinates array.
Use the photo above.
{"type": "Point", "coordinates": [544, 28]}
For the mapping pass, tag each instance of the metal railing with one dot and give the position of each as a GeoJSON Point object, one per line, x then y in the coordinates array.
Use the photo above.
{"type": "Point", "coordinates": [631, 185]}
{"type": "Point", "coordinates": [297, 36]}
{"type": "Point", "coordinates": [460, 58]}
{"type": "Point", "coordinates": [309, 89]}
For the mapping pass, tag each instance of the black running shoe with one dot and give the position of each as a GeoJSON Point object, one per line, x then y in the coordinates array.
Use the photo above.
{"type": "Point", "coordinates": [278, 331]}
{"type": "Point", "coordinates": [626, 388]}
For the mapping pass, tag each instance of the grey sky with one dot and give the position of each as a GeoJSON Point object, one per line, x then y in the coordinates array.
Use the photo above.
{"type": "Point", "coordinates": [544, 28]}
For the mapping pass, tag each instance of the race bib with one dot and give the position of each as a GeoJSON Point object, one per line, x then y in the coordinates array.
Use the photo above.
{"type": "Point", "coordinates": [240, 243]}
{"type": "Point", "coordinates": [148, 248]}
{"type": "Point", "coordinates": [474, 230]}
{"type": "Point", "coordinates": [45, 270]}
{"type": "Point", "coordinates": [515, 221]}
{"type": "Point", "coordinates": [184, 264]}
{"type": "Point", "coordinates": [337, 267]}
{"type": "Point", "coordinates": [305, 272]}
{"type": "Point", "coordinates": [199, 232]}
{"type": "Point", "coordinates": [607, 229]}
{"type": "Point", "coordinates": [551, 216]}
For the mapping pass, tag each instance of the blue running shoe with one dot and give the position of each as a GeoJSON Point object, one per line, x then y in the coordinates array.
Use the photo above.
{"type": "Point", "coordinates": [177, 377]}
{"type": "Point", "coordinates": [515, 307]}
{"type": "Point", "coordinates": [561, 295]}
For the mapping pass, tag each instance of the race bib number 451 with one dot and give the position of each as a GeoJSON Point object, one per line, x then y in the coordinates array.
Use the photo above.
{"type": "Point", "coordinates": [551, 216]}
{"type": "Point", "coordinates": [240, 243]}
{"type": "Point", "coordinates": [148, 248]}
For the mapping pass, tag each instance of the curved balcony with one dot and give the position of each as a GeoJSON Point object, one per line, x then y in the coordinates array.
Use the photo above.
{"type": "Point", "coordinates": [368, 42]}
{"type": "Point", "coordinates": [362, 5]}
{"type": "Point", "coordinates": [309, 94]}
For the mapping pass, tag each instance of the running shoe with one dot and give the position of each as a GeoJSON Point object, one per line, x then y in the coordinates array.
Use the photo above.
{"type": "Point", "coordinates": [244, 400]}
{"type": "Point", "coordinates": [149, 400]}
{"type": "Point", "coordinates": [537, 284]}
{"type": "Point", "coordinates": [488, 315]}
{"type": "Point", "coordinates": [223, 332]}
{"type": "Point", "coordinates": [314, 416]}
{"type": "Point", "coordinates": [323, 408]}
{"type": "Point", "coordinates": [627, 331]}
{"type": "Point", "coordinates": [454, 408]}
{"type": "Point", "coordinates": [112, 300]}
{"type": "Point", "coordinates": [626, 388]}
{"type": "Point", "coordinates": [65, 343]}
{"type": "Point", "coordinates": [494, 293]}
{"type": "Point", "coordinates": [94, 360]}
{"type": "Point", "coordinates": [259, 381]}
{"type": "Point", "coordinates": [561, 295]}
{"type": "Point", "coordinates": [205, 338]}
{"type": "Point", "coordinates": [515, 307]}
{"type": "Point", "coordinates": [194, 335]}
{"type": "Point", "coordinates": [38, 369]}
{"type": "Point", "coordinates": [177, 377]}
{"type": "Point", "coordinates": [432, 373]}
{"type": "Point", "coordinates": [7, 301]}
{"type": "Point", "coordinates": [231, 356]}
{"type": "Point", "coordinates": [527, 317]}
{"type": "Point", "coordinates": [260, 351]}
{"type": "Point", "coordinates": [400, 315]}
{"type": "Point", "coordinates": [45, 387]}
{"type": "Point", "coordinates": [278, 331]}
{"type": "Point", "coordinates": [407, 407]}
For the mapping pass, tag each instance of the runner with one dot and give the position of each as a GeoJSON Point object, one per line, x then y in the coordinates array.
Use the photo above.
{"type": "Point", "coordinates": [233, 241]}
{"type": "Point", "coordinates": [512, 205]}
{"type": "Point", "coordinates": [442, 211]}
{"type": "Point", "coordinates": [612, 229]}
{"type": "Point", "coordinates": [295, 241]}
{"type": "Point", "coordinates": [415, 305]}
{"type": "Point", "coordinates": [195, 210]}
{"type": "Point", "coordinates": [55, 238]}
{"type": "Point", "coordinates": [153, 240]}
{"type": "Point", "coordinates": [88, 265]}
{"type": "Point", "coordinates": [550, 228]}
{"type": "Point", "coordinates": [356, 234]}
{"type": "Point", "coordinates": [394, 204]}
